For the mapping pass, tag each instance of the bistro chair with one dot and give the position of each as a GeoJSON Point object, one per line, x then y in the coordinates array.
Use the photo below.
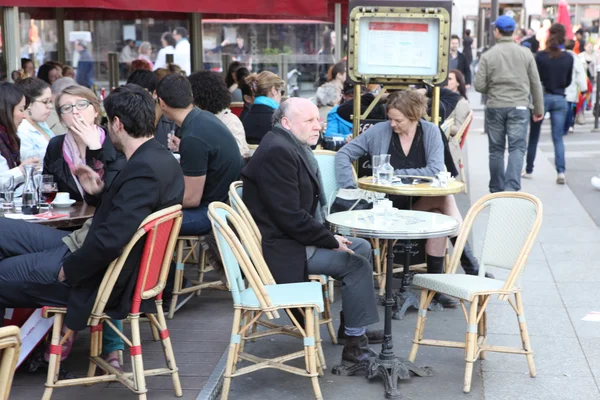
{"type": "Point", "coordinates": [446, 125]}
{"type": "Point", "coordinates": [513, 224]}
{"type": "Point", "coordinates": [235, 199]}
{"type": "Point", "coordinates": [237, 107]}
{"type": "Point", "coordinates": [159, 230]}
{"type": "Point", "coordinates": [190, 251]}
{"type": "Point", "coordinates": [241, 255]}
{"type": "Point", "coordinates": [10, 346]}
{"type": "Point", "coordinates": [459, 142]}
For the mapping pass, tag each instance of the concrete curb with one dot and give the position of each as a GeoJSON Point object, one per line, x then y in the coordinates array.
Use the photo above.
{"type": "Point", "coordinates": [211, 390]}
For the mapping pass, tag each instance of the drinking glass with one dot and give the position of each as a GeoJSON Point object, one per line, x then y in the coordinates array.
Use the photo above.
{"type": "Point", "coordinates": [376, 162]}
{"type": "Point", "coordinates": [48, 191]}
{"type": "Point", "coordinates": [7, 193]}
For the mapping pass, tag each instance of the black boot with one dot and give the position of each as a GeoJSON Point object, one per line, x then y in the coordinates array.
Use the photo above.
{"type": "Point", "coordinates": [375, 337]}
{"type": "Point", "coordinates": [357, 349]}
{"type": "Point", "coordinates": [435, 265]}
{"type": "Point", "coordinates": [468, 260]}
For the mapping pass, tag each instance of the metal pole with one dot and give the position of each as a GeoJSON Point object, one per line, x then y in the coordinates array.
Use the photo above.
{"type": "Point", "coordinates": [435, 105]}
{"type": "Point", "coordinates": [284, 69]}
{"type": "Point", "coordinates": [597, 105]}
{"type": "Point", "coordinates": [61, 48]}
{"type": "Point", "coordinates": [113, 71]}
{"type": "Point", "coordinates": [196, 43]}
{"type": "Point", "coordinates": [225, 63]}
{"type": "Point", "coordinates": [11, 39]}
{"type": "Point", "coordinates": [493, 18]}
{"type": "Point", "coordinates": [338, 32]}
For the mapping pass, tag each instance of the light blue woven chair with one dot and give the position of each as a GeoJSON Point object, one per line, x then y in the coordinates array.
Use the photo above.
{"type": "Point", "coordinates": [513, 224]}
{"type": "Point", "coordinates": [235, 199]}
{"type": "Point", "coordinates": [240, 255]}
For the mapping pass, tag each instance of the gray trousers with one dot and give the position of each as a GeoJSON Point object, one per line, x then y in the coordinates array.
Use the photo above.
{"type": "Point", "coordinates": [355, 271]}
{"type": "Point", "coordinates": [507, 124]}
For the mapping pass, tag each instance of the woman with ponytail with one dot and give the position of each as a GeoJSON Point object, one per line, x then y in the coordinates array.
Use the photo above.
{"type": "Point", "coordinates": [267, 89]}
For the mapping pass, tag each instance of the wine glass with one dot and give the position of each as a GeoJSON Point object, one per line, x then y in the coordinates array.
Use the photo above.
{"type": "Point", "coordinates": [48, 191]}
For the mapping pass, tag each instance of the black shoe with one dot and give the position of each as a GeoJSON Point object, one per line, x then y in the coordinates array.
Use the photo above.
{"type": "Point", "coordinates": [357, 349]}
{"type": "Point", "coordinates": [467, 259]}
{"type": "Point", "coordinates": [446, 301]}
{"type": "Point", "coordinates": [374, 336]}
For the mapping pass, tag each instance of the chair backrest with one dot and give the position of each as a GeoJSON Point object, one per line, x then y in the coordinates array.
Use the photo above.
{"type": "Point", "coordinates": [240, 254]}
{"type": "Point", "coordinates": [160, 229]}
{"type": "Point", "coordinates": [461, 135]}
{"type": "Point", "coordinates": [513, 224]}
{"type": "Point", "coordinates": [237, 108]}
{"type": "Point", "coordinates": [236, 193]}
{"type": "Point", "coordinates": [10, 347]}
{"type": "Point", "coordinates": [446, 126]}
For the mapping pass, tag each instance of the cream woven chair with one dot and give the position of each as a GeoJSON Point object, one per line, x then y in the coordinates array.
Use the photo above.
{"type": "Point", "coordinates": [235, 199]}
{"type": "Point", "coordinates": [240, 254]}
{"type": "Point", "coordinates": [10, 346]}
{"type": "Point", "coordinates": [514, 222]}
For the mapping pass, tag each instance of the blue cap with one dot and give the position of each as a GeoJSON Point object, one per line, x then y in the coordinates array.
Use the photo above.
{"type": "Point", "coordinates": [505, 23]}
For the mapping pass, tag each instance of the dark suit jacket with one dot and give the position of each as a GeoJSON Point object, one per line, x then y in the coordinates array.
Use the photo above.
{"type": "Point", "coordinates": [282, 194]}
{"type": "Point", "coordinates": [150, 181]}
{"type": "Point", "coordinates": [55, 165]}
{"type": "Point", "coordinates": [257, 122]}
{"type": "Point", "coordinates": [464, 67]}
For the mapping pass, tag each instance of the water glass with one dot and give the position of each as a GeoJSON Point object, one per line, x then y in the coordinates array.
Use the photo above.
{"type": "Point", "coordinates": [7, 197]}
{"type": "Point", "coordinates": [375, 163]}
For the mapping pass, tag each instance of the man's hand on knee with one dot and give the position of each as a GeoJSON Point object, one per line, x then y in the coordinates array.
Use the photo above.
{"type": "Point", "coordinates": [343, 244]}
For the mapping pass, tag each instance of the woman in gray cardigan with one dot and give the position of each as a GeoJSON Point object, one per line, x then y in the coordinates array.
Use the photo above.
{"type": "Point", "coordinates": [416, 148]}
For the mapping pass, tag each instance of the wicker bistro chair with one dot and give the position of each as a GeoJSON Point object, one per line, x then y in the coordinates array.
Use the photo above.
{"type": "Point", "coordinates": [235, 199]}
{"type": "Point", "coordinates": [160, 231]}
{"type": "Point", "coordinates": [514, 222]}
{"type": "Point", "coordinates": [10, 345]}
{"type": "Point", "coordinates": [240, 254]}
{"type": "Point", "coordinates": [459, 142]}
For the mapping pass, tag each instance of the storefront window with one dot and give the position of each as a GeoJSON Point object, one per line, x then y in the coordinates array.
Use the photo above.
{"type": "Point", "coordinates": [38, 39]}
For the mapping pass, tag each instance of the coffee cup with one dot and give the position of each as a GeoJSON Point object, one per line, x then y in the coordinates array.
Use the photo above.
{"type": "Point", "coordinates": [62, 197]}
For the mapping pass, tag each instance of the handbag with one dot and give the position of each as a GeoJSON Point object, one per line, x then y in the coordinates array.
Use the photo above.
{"type": "Point", "coordinates": [353, 199]}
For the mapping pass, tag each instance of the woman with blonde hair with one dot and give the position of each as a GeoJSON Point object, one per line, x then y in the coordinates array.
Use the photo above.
{"type": "Point", "coordinates": [84, 143]}
{"type": "Point", "coordinates": [145, 52]}
{"type": "Point", "coordinates": [267, 89]}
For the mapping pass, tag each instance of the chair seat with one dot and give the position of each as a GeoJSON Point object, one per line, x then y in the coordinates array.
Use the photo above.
{"type": "Point", "coordinates": [457, 285]}
{"type": "Point", "coordinates": [287, 295]}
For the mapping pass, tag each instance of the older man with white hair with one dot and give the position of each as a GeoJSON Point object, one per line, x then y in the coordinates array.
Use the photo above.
{"type": "Point", "coordinates": [284, 193]}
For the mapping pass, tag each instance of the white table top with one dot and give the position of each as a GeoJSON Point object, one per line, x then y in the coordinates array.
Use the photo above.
{"type": "Point", "coordinates": [395, 224]}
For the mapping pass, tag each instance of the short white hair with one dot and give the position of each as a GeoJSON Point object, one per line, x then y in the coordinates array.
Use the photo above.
{"type": "Point", "coordinates": [327, 95]}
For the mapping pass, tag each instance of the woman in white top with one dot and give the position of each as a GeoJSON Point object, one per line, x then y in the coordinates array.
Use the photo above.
{"type": "Point", "coordinates": [34, 132]}
{"type": "Point", "coordinates": [12, 111]}
{"type": "Point", "coordinates": [168, 47]}
{"type": "Point", "coordinates": [211, 94]}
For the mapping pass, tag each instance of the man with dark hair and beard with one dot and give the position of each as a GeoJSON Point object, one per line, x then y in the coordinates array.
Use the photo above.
{"type": "Point", "coordinates": [40, 266]}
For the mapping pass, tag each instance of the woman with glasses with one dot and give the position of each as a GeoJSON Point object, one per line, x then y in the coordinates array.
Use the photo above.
{"type": "Point", "coordinates": [34, 132]}
{"type": "Point", "coordinates": [268, 90]}
{"type": "Point", "coordinates": [84, 143]}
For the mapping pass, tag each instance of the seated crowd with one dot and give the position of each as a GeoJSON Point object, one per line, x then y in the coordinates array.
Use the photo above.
{"type": "Point", "coordinates": [117, 157]}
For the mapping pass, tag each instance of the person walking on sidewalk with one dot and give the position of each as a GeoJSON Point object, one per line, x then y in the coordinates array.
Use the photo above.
{"type": "Point", "coordinates": [457, 60]}
{"type": "Point", "coordinates": [508, 75]}
{"type": "Point", "coordinates": [556, 72]}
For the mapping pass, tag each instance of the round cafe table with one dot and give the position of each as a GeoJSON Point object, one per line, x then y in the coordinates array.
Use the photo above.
{"type": "Point", "coordinates": [406, 298]}
{"type": "Point", "coordinates": [405, 225]}
{"type": "Point", "coordinates": [77, 214]}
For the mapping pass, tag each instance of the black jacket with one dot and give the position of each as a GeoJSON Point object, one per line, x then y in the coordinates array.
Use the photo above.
{"type": "Point", "coordinates": [464, 67]}
{"type": "Point", "coordinates": [55, 165]}
{"type": "Point", "coordinates": [282, 194]}
{"type": "Point", "coordinates": [150, 181]}
{"type": "Point", "coordinates": [257, 122]}
{"type": "Point", "coordinates": [346, 109]}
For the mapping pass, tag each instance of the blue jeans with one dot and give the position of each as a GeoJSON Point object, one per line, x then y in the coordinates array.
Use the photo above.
{"type": "Point", "coordinates": [503, 123]}
{"type": "Point", "coordinates": [195, 221]}
{"type": "Point", "coordinates": [570, 121]}
{"type": "Point", "coordinates": [558, 107]}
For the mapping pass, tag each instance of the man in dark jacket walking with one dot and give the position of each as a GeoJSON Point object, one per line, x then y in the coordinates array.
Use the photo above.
{"type": "Point", "coordinates": [458, 61]}
{"type": "Point", "coordinates": [284, 194]}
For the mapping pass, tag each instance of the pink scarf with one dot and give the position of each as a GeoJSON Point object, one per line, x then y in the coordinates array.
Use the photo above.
{"type": "Point", "coordinates": [74, 158]}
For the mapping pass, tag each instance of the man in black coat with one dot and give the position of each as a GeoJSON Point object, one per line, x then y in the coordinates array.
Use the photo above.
{"type": "Point", "coordinates": [458, 61]}
{"type": "Point", "coordinates": [283, 191]}
{"type": "Point", "coordinates": [40, 266]}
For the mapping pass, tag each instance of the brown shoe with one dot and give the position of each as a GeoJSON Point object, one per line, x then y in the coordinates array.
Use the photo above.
{"type": "Point", "coordinates": [357, 349]}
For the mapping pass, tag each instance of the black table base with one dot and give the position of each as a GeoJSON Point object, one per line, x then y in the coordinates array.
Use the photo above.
{"type": "Point", "coordinates": [389, 367]}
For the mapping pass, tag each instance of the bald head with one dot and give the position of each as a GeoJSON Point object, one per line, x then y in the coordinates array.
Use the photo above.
{"type": "Point", "coordinates": [301, 117]}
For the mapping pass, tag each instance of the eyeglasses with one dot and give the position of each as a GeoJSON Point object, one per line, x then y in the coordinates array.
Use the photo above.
{"type": "Point", "coordinates": [80, 105]}
{"type": "Point", "coordinates": [47, 103]}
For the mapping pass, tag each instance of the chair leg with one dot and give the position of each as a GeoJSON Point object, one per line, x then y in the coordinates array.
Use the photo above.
{"type": "Point", "coordinates": [201, 266]}
{"type": "Point", "coordinates": [178, 278]}
{"type": "Point", "coordinates": [168, 349]}
{"type": "Point", "coordinates": [137, 363]}
{"type": "Point", "coordinates": [321, 365]}
{"type": "Point", "coordinates": [95, 346]}
{"type": "Point", "coordinates": [327, 315]}
{"type": "Point", "coordinates": [309, 349]}
{"type": "Point", "coordinates": [231, 356]}
{"type": "Point", "coordinates": [471, 344]}
{"type": "Point", "coordinates": [54, 362]}
{"type": "Point", "coordinates": [331, 289]}
{"type": "Point", "coordinates": [525, 334]}
{"type": "Point", "coordinates": [421, 317]}
{"type": "Point", "coordinates": [154, 330]}
{"type": "Point", "coordinates": [382, 267]}
{"type": "Point", "coordinates": [482, 326]}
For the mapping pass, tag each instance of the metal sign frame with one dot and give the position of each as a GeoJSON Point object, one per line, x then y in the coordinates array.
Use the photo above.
{"type": "Point", "coordinates": [416, 13]}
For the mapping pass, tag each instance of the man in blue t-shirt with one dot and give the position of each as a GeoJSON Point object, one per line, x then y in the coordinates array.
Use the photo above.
{"type": "Point", "coordinates": [210, 158]}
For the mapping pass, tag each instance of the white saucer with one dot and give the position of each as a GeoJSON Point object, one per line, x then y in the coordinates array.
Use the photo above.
{"type": "Point", "coordinates": [67, 203]}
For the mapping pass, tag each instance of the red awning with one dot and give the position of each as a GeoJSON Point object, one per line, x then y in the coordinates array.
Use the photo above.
{"type": "Point", "coordinates": [213, 8]}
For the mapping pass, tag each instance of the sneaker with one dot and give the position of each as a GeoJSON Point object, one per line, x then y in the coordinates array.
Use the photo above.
{"type": "Point", "coordinates": [561, 179]}
{"type": "Point", "coordinates": [596, 182]}
{"type": "Point", "coordinates": [571, 130]}
{"type": "Point", "coordinates": [526, 175]}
